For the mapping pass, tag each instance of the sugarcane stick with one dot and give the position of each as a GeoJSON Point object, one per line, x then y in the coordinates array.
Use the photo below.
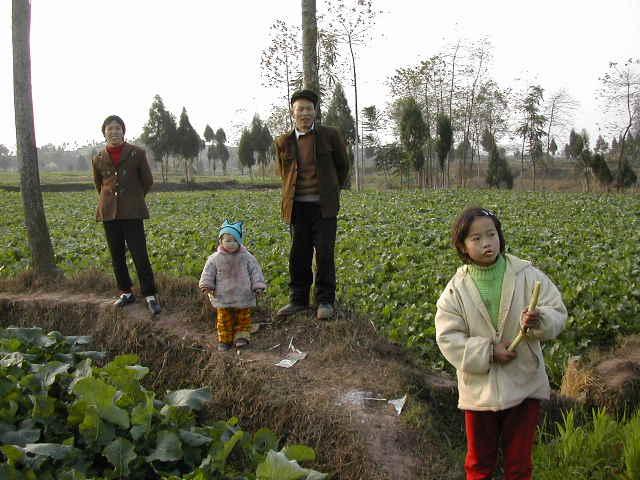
{"type": "Point", "coordinates": [532, 306]}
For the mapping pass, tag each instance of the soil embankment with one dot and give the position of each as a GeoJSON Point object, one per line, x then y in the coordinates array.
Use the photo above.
{"type": "Point", "coordinates": [331, 400]}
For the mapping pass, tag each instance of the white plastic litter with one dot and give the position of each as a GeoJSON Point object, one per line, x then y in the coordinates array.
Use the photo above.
{"type": "Point", "coordinates": [293, 357]}
{"type": "Point", "coordinates": [398, 403]}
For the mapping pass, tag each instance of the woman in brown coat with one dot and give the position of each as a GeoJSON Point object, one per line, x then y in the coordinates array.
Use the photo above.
{"type": "Point", "coordinates": [123, 178]}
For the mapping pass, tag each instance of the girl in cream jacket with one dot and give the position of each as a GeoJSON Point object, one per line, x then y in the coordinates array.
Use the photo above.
{"type": "Point", "coordinates": [479, 313]}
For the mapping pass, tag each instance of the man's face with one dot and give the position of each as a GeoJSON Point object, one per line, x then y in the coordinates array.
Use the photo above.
{"type": "Point", "coordinates": [113, 134]}
{"type": "Point", "coordinates": [304, 113]}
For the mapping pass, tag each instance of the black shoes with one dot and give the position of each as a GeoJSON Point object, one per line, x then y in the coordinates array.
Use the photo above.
{"type": "Point", "coordinates": [153, 305]}
{"type": "Point", "coordinates": [128, 298]}
{"type": "Point", "coordinates": [125, 299]}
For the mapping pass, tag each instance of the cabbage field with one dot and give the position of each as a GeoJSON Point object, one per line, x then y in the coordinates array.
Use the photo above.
{"type": "Point", "coordinates": [393, 252]}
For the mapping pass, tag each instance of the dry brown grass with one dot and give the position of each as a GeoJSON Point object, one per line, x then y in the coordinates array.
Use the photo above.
{"type": "Point", "coordinates": [609, 379]}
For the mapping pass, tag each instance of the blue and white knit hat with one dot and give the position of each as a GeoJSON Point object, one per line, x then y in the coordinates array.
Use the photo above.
{"type": "Point", "coordinates": [236, 230]}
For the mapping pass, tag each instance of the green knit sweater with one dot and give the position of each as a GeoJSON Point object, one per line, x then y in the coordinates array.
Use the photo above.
{"type": "Point", "coordinates": [489, 283]}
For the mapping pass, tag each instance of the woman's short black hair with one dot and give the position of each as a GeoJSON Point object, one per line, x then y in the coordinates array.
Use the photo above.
{"type": "Point", "coordinates": [463, 223]}
{"type": "Point", "coordinates": [113, 118]}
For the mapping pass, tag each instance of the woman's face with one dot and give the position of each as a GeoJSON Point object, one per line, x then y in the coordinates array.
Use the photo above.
{"type": "Point", "coordinates": [482, 243]}
{"type": "Point", "coordinates": [113, 134]}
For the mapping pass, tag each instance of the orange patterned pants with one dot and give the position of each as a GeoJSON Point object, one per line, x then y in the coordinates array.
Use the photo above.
{"type": "Point", "coordinates": [233, 323]}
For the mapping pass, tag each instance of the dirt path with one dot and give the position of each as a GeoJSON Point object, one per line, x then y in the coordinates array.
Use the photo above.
{"type": "Point", "coordinates": [345, 381]}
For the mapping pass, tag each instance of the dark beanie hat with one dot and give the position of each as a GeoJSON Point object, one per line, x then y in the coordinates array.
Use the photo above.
{"type": "Point", "coordinates": [306, 94]}
{"type": "Point", "coordinates": [113, 118]}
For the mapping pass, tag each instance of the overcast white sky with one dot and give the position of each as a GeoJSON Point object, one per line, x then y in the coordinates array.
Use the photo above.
{"type": "Point", "coordinates": [93, 58]}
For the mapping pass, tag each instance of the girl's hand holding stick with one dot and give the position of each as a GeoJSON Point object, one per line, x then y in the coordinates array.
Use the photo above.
{"type": "Point", "coordinates": [532, 307]}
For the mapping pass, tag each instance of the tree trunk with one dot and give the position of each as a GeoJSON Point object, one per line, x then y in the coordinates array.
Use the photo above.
{"type": "Point", "coordinates": [26, 152]}
{"type": "Point", "coordinates": [553, 108]}
{"type": "Point", "coordinates": [355, 91]}
{"type": "Point", "coordinates": [619, 180]}
{"type": "Point", "coordinates": [309, 42]}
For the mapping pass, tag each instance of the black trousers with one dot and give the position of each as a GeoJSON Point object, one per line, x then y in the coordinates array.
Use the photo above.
{"type": "Point", "coordinates": [310, 231]}
{"type": "Point", "coordinates": [123, 234]}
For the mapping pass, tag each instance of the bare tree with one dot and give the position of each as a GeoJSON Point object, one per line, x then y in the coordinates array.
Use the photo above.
{"type": "Point", "coordinates": [480, 55]}
{"type": "Point", "coordinates": [36, 222]}
{"type": "Point", "coordinates": [279, 60]}
{"type": "Point", "coordinates": [352, 24]}
{"type": "Point", "coordinates": [559, 112]}
{"type": "Point", "coordinates": [621, 91]}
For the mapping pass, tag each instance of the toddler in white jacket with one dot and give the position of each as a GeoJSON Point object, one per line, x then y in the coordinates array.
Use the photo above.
{"type": "Point", "coordinates": [232, 278]}
{"type": "Point", "coordinates": [479, 313]}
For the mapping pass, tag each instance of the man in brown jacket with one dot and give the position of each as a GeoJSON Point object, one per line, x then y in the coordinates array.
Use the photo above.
{"type": "Point", "coordinates": [312, 161]}
{"type": "Point", "coordinates": [123, 178]}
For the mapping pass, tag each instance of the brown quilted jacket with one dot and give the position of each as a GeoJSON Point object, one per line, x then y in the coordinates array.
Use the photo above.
{"type": "Point", "coordinates": [122, 190]}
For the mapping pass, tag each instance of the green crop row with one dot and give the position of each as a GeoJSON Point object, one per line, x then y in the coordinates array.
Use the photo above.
{"type": "Point", "coordinates": [393, 254]}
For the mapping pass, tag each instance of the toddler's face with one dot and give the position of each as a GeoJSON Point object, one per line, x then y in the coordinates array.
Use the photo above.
{"type": "Point", "coordinates": [229, 243]}
{"type": "Point", "coordinates": [482, 243]}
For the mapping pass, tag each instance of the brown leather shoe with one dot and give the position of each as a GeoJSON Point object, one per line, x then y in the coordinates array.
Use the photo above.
{"type": "Point", "coordinates": [291, 309]}
{"type": "Point", "coordinates": [325, 311]}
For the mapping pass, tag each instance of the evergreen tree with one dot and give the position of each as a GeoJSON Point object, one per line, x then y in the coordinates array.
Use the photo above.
{"type": "Point", "coordinates": [388, 159]}
{"type": "Point", "coordinates": [222, 152]}
{"type": "Point", "coordinates": [498, 172]}
{"type": "Point", "coordinates": [444, 142]}
{"type": "Point", "coordinates": [601, 145]}
{"type": "Point", "coordinates": [413, 135]}
{"type": "Point", "coordinates": [532, 128]}
{"type": "Point", "coordinates": [209, 137]}
{"type": "Point", "coordinates": [159, 134]}
{"type": "Point", "coordinates": [339, 116]}
{"type": "Point", "coordinates": [188, 144]}
{"type": "Point", "coordinates": [625, 177]}
{"type": "Point", "coordinates": [601, 170]}
{"type": "Point", "coordinates": [245, 150]}
{"type": "Point", "coordinates": [260, 140]}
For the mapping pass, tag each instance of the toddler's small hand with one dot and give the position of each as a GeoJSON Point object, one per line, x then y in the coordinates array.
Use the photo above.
{"type": "Point", "coordinates": [501, 354]}
{"type": "Point", "coordinates": [530, 319]}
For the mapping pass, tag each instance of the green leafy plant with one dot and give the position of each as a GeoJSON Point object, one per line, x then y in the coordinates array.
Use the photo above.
{"type": "Point", "coordinates": [63, 417]}
{"type": "Point", "coordinates": [601, 449]}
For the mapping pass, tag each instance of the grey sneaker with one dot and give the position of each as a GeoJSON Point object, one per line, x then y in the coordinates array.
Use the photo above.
{"type": "Point", "coordinates": [325, 311]}
{"type": "Point", "coordinates": [153, 305]}
{"type": "Point", "coordinates": [291, 309]}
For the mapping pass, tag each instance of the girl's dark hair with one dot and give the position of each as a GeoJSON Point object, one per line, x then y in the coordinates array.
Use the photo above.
{"type": "Point", "coordinates": [113, 118]}
{"type": "Point", "coordinates": [463, 223]}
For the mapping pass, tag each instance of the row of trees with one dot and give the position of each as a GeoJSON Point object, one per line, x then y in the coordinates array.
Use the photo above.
{"type": "Point", "coordinates": [165, 139]}
{"type": "Point", "coordinates": [592, 164]}
{"type": "Point", "coordinates": [255, 146]}
{"type": "Point", "coordinates": [455, 83]}
{"type": "Point", "coordinates": [450, 88]}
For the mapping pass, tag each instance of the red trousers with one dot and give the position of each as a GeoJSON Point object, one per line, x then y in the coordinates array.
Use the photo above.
{"type": "Point", "coordinates": [513, 430]}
